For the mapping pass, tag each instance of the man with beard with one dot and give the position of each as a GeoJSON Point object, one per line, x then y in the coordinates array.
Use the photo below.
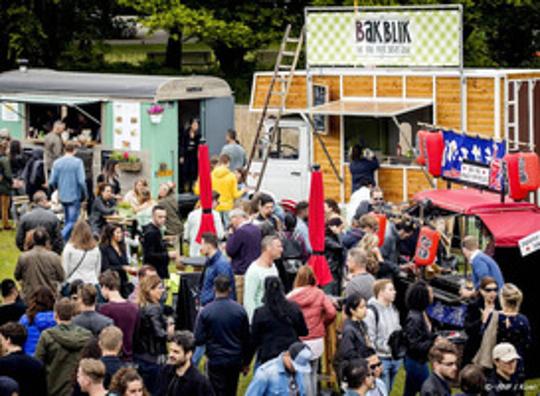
{"type": "Point", "coordinates": [179, 376]}
{"type": "Point", "coordinates": [444, 362]}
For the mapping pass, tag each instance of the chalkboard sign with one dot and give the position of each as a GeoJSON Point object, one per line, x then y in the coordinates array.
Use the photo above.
{"type": "Point", "coordinates": [320, 97]}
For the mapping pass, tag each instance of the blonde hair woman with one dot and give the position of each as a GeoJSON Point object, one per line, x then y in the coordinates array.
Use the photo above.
{"type": "Point", "coordinates": [512, 326]}
{"type": "Point", "coordinates": [135, 196]}
{"type": "Point", "coordinates": [370, 244]}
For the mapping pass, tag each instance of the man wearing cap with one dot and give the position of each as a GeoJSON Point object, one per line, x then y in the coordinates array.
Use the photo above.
{"type": "Point", "coordinates": [502, 380]}
{"type": "Point", "coordinates": [286, 374]}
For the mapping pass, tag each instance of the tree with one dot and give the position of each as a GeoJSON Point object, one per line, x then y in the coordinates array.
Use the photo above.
{"type": "Point", "coordinates": [184, 23]}
{"type": "Point", "coordinates": [52, 32]}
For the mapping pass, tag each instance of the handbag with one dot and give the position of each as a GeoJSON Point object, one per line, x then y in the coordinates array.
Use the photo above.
{"type": "Point", "coordinates": [65, 291]}
{"type": "Point", "coordinates": [483, 357]}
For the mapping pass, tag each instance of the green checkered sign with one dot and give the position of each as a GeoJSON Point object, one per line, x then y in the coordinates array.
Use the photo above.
{"type": "Point", "coordinates": [413, 37]}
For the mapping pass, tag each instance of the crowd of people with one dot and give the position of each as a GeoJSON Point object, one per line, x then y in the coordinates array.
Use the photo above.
{"type": "Point", "coordinates": [88, 317]}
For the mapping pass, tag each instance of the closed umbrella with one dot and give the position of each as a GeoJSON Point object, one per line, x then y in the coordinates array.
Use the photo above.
{"type": "Point", "coordinates": [205, 190]}
{"type": "Point", "coordinates": [317, 261]}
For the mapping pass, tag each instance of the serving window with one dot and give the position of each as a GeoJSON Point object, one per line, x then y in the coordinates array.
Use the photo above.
{"type": "Point", "coordinates": [83, 121]}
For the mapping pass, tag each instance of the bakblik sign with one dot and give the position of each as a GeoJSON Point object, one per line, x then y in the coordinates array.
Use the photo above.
{"type": "Point", "coordinates": [383, 36]}
{"type": "Point", "coordinates": [386, 36]}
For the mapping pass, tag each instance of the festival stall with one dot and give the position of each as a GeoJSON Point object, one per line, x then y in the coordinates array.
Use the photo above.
{"type": "Point", "coordinates": [376, 76]}
{"type": "Point", "coordinates": [139, 119]}
{"type": "Point", "coordinates": [509, 230]}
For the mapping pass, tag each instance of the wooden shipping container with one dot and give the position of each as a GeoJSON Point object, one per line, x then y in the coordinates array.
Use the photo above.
{"type": "Point", "coordinates": [491, 103]}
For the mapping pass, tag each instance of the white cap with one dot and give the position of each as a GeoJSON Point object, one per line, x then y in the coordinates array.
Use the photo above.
{"type": "Point", "coordinates": [505, 352]}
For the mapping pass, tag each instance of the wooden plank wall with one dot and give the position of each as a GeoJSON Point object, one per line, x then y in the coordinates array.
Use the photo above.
{"type": "Point", "coordinates": [448, 102]}
{"type": "Point", "coordinates": [332, 141]}
{"type": "Point", "coordinates": [295, 99]}
{"type": "Point", "coordinates": [390, 86]}
{"type": "Point", "coordinates": [481, 106]}
{"type": "Point", "coordinates": [391, 182]}
{"type": "Point", "coordinates": [357, 86]}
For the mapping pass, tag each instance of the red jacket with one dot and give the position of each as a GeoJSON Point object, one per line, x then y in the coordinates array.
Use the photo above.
{"type": "Point", "coordinates": [317, 308]}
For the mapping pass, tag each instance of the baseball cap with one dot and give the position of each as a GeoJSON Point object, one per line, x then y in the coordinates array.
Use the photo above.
{"type": "Point", "coordinates": [8, 386]}
{"type": "Point", "coordinates": [301, 356]}
{"type": "Point", "coordinates": [505, 352]}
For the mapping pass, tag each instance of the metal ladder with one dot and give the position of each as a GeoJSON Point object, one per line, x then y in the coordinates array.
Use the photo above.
{"type": "Point", "coordinates": [283, 75]}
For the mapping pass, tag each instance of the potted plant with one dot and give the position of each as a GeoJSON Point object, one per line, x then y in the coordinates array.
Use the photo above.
{"type": "Point", "coordinates": [156, 113]}
{"type": "Point", "coordinates": [127, 162]}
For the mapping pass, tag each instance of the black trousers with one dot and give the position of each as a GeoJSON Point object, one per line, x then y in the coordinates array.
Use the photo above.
{"type": "Point", "coordinates": [224, 379]}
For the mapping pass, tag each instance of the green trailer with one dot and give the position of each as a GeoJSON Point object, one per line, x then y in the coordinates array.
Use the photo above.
{"type": "Point", "coordinates": [113, 111]}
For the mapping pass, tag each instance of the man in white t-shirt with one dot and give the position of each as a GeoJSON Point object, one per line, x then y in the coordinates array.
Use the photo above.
{"type": "Point", "coordinates": [271, 249]}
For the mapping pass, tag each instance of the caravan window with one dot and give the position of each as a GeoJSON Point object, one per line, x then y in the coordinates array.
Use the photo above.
{"type": "Point", "coordinates": [287, 144]}
{"type": "Point", "coordinates": [41, 117]}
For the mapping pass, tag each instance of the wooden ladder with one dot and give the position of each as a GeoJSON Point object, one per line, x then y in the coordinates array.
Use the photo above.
{"type": "Point", "coordinates": [283, 74]}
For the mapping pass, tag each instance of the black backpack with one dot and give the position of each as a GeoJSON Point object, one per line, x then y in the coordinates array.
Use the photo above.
{"type": "Point", "coordinates": [397, 340]}
{"type": "Point", "coordinates": [292, 254]}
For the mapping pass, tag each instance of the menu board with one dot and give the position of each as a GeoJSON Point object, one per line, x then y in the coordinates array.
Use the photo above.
{"type": "Point", "coordinates": [127, 126]}
{"type": "Point", "coordinates": [10, 111]}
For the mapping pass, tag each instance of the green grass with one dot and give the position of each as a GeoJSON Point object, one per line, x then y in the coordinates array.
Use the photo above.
{"type": "Point", "coordinates": [8, 260]}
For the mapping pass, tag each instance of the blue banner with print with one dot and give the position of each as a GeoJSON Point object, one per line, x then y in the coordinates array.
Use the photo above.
{"type": "Point", "coordinates": [459, 147]}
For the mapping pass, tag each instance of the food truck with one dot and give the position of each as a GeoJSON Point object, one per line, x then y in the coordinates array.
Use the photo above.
{"type": "Point", "coordinates": [379, 93]}
{"type": "Point", "coordinates": [509, 230]}
{"type": "Point", "coordinates": [142, 118]}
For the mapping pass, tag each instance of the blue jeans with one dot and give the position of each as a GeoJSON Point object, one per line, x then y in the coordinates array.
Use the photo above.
{"type": "Point", "coordinates": [149, 372]}
{"type": "Point", "coordinates": [390, 370]}
{"type": "Point", "coordinates": [71, 215]}
{"type": "Point", "coordinates": [198, 354]}
{"type": "Point", "coordinates": [416, 374]}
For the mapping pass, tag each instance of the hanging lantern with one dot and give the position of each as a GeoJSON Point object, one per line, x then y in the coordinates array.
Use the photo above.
{"type": "Point", "coordinates": [434, 152]}
{"type": "Point", "coordinates": [381, 218]}
{"type": "Point", "coordinates": [426, 247]}
{"type": "Point", "coordinates": [523, 172]}
{"type": "Point", "coordinates": [421, 147]}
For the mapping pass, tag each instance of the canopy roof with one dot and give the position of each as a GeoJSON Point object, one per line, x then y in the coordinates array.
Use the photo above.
{"type": "Point", "coordinates": [470, 201]}
{"type": "Point", "coordinates": [39, 82]}
{"type": "Point", "coordinates": [508, 222]}
{"type": "Point", "coordinates": [370, 107]}
{"type": "Point", "coordinates": [49, 99]}
{"type": "Point", "coordinates": [508, 228]}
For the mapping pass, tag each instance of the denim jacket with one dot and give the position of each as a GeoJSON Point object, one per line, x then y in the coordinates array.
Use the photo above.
{"type": "Point", "coordinates": [272, 379]}
{"type": "Point", "coordinates": [68, 177]}
{"type": "Point", "coordinates": [215, 266]}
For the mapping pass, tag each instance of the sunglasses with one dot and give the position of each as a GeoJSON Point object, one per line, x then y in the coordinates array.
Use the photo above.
{"type": "Point", "coordinates": [491, 289]}
{"type": "Point", "coordinates": [375, 365]}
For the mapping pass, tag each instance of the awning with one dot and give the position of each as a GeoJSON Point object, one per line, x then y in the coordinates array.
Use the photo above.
{"type": "Point", "coordinates": [508, 228]}
{"type": "Point", "coordinates": [48, 99]}
{"type": "Point", "coordinates": [471, 201]}
{"type": "Point", "coordinates": [370, 107]}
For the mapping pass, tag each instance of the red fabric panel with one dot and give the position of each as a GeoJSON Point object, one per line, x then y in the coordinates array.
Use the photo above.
{"type": "Point", "coordinates": [434, 152]}
{"type": "Point", "coordinates": [205, 186]}
{"type": "Point", "coordinates": [421, 146]}
{"type": "Point", "coordinates": [317, 261]}
{"type": "Point", "coordinates": [509, 227]}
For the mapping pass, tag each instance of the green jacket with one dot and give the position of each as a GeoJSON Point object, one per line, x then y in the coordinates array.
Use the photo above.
{"type": "Point", "coordinates": [59, 349]}
{"type": "Point", "coordinates": [5, 175]}
{"type": "Point", "coordinates": [173, 225]}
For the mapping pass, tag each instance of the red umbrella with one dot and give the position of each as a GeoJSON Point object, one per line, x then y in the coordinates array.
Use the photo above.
{"type": "Point", "coordinates": [317, 261]}
{"type": "Point", "coordinates": [205, 190]}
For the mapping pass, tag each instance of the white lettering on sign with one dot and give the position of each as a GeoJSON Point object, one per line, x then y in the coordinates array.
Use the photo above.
{"type": "Point", "coordinates": [383, 36]}
{"type": "Point", "coordinates": [475, 174]}
{"type": "Point", "coordinates": [530, 244]}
